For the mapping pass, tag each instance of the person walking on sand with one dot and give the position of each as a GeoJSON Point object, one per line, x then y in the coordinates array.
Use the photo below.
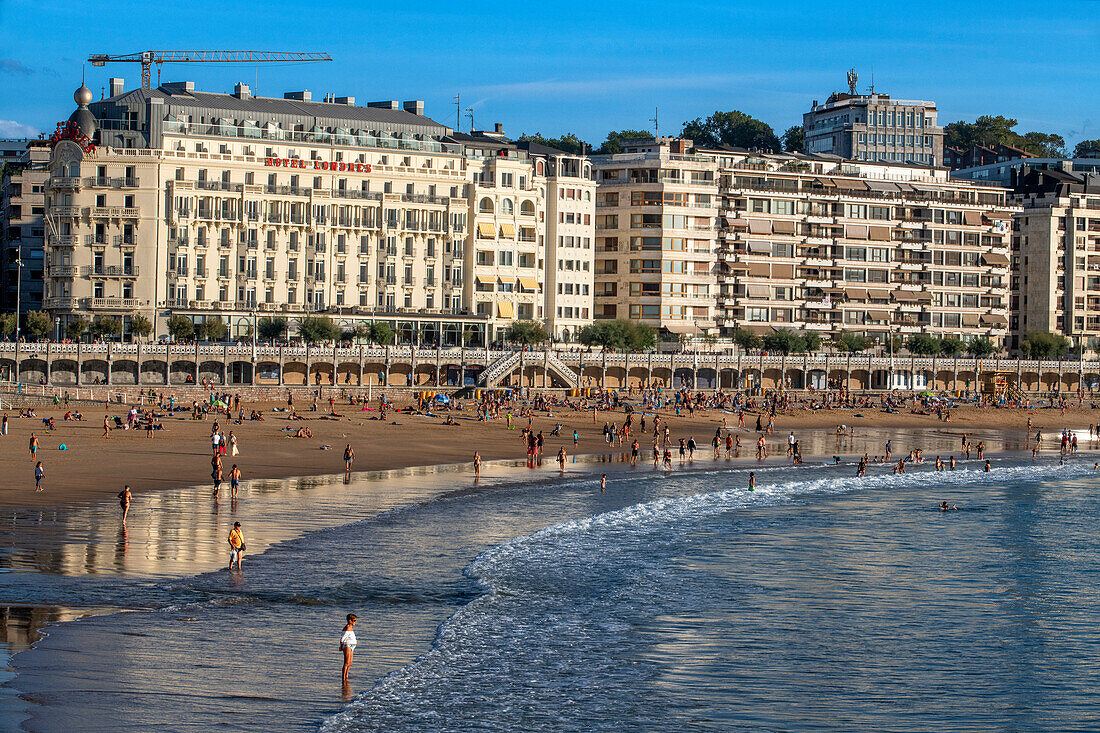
{"type": "Point", "coordinates": [32, 446]}
{"type": "Point", "coordinates": [216, 473]}
{"type": "Point", "coordinates": [349, 458]}
{"type": "Point", "coordinates": [347, 644]}
{"type": "Point", "coordinates": [124, 499]}
{"type": "Point", "coordinates": [233, 444]}
{"type": "Point", "coordinates": [235, 479]}
{"type": "Point", "coordinates": [477, 464]}
{"type": "Point", "coordinates": [106, 426]}
{"type": "Point", "coordinates": [236, 546]}
{"type": "Point", "coordinates": [39, 474]}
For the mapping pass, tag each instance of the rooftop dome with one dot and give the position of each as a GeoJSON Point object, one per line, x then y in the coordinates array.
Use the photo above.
{"type": "Point", "coordinates": [83, 117]}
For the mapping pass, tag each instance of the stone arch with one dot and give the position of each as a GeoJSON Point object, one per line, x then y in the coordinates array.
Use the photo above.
{"type": "Point", "coordinates": [374, 373]}
{"type": "Point", "coordinates": [211, 370]}
{"type": "Point", "coordinates": [425, 374]}
{"type": "Point", "coordinates": [32, 369]}
{"type": "Point", "coordinates": [796, 378]}
{"type": "Point", "coordinates": [616, 376]}
{"type": "Point", "coordinates": [706, 378]}
{"type": "Point", "coordinates": [239, 371]}
{"type": "Point", "coordinates": [816, 379]}
{"type": "Point", "coordinates": [860, 379]}
{"type": "Point", "coordinates": [638, 376]}
{"type": "Point", "coordinates": [347, 372]}
{"type": "Point", "coordinates": [294, 372]}
{"type": "Point", "coordinates": [267, 372]}
{"type": "Point", "coordinates": [1029, 381]}
{"type": "Point", "coordinates": [93, 369]}
{"type": "Point", "coordinates": [124, 371]}
{"type": "Point", "coordinates": [772, 378]}
{"type": "Point", "coordinates": [683, 377]}
{"type": "Point", "coordinates": [400, 374]}
{"type": "Point", "coordinates": [153, 371]}
{"type": "Point", "coordinates": [63, 371]}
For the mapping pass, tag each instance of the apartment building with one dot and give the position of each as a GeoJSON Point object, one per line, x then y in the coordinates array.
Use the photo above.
{"type": "Point", "coordinates": [874, 127]}
{"type": "Point", "coordinates": [22, 227]}
{"type": "Point", "coordinates": [656, 204]}
{"type": "Point", "coordinates": [174, 200]}
{"type": "Point", "coordinates": [570, 234]}
{"type": "Point", "coordinates": [1056, 254]}
{"type": "Point", "coordinates": [821, 244]}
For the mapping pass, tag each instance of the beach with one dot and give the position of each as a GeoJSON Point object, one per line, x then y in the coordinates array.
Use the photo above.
{"type": "Point", "coordinates": [93, 468]}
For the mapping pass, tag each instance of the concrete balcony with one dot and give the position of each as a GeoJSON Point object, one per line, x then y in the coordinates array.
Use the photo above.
{"type": "Point", "coordinates": [66, 240]}
{"type": "Point", "coordinates": [64, 271]}
{"type": "Point", "coordinates": [112, 303]}
{"type": "Point", "coordinates": [66, 210]}
{"type": "Point", "coordinates": [64, 182]}
{"type": "Point", "coordinates": [114, 271]}
{"type": "Point", "coordinates": [60, 303]}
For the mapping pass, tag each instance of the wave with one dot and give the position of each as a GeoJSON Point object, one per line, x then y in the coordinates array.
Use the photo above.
{"type": "Point", "coordinates": [554, 609]}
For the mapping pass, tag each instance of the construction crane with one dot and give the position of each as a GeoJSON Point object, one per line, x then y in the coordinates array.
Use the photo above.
{"type": "Point", "coordinates": [148, 58]}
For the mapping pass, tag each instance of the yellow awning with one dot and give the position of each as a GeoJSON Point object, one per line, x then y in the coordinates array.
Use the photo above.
{"type": "Point", "coordinates": [506, 310]}
{"type": "Point", "coordinates": [507, 230]}
{"type": "Point", "coordinates": [487, 230]}
{"type": "Point", "coordinates": [482, 280]}
{"type": "Point", "coordinates": [529, 283]}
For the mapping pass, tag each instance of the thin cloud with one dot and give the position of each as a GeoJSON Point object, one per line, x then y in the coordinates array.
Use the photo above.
{"type": "Point", "coordinates": [14, 66]}
{"type": "Point", "coordinates": [11, 128]}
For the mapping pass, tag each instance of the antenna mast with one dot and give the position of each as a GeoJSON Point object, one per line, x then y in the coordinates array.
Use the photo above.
{"type": "Point", "coordinates": [656, 134]}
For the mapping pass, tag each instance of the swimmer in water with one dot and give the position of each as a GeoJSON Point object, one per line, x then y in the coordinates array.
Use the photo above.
{"type": "Point", "coordinates": [945, 508]}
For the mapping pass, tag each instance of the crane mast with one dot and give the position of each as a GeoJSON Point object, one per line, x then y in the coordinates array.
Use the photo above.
{"type": "Point", "coordinates": [148, 58]}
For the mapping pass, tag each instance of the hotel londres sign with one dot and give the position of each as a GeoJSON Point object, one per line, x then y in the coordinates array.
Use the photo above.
{"type": "Point", "coordinates": [336, 166]}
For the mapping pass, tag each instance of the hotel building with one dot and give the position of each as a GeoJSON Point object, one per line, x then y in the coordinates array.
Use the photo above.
{"type": "Point", "coordinates": [874, 127]}
{"type": "Point", "coordinates": [177, 201]}
{"type": "Point", "coordinates": [22, 228]}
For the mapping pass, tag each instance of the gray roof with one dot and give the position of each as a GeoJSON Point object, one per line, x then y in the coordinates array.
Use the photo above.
{"type": "Point", "coordinates": [331, 114]}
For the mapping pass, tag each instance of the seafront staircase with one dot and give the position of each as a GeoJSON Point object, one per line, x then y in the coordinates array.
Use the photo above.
{"type": "Point", "coordinates": [508, 363]}
{"type": "Point", "coordinates": [501, 366]}
{"type": "Point", "coordinates": [559, 367]}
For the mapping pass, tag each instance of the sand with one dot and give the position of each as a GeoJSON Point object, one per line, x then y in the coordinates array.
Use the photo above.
{"type": "Point", "coordinates": [94, 469]}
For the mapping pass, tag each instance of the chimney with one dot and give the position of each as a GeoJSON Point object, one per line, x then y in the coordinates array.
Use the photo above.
{"type": "Point", "coordinates": [414, 106]}
{"type": "Point", "coordinates": [391, 104]}
{"type": "Point", "coordinates": [498, 128]}
{"type": "Point", "coordinates": [302, 96]}
{"type": "Point", "coordinates": [241, 91]}
{"type": "Point", "coordinates": [116, 86]}
{"type": "Point", "coordinates": [350, 101]}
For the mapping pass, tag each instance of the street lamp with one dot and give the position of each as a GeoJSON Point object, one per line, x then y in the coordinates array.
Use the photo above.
{"type": "Point", "coordinates": [18, 285]}
{"type": "Point", "coordinates": [57, 326]}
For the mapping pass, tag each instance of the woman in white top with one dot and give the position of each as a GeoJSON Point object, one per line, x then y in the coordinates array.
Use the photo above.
{"type": "Point", "coordinates": [347, 644]}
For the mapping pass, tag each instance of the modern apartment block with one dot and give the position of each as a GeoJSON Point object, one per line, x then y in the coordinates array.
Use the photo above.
{"type": "Point", "coordinates": [656, 204]}
{"type": "Point", "coordinates": [825, 245]}
{"type": "Point", "coordinates": [22, 227]}
{"type": "Point", "coordinates": [874, 127]}
{"type": "Point", "coordinates": [177, 201]}
{"type": "Point", "coordinates": [1056, 254]}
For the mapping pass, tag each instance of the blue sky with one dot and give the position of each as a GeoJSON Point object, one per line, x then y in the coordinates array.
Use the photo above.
{"type": "Point", "coordinates": [585, 67]}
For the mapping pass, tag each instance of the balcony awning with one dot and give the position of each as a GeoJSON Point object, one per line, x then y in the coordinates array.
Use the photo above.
{"type": "Point", "coordinates": [782, 270]}
{"type": "Point", "coordinates": [856, 293]}
{"type": "Point", "coordinates": [684, 327]}
{"type": "Point", "coordinates": [758, 291]}
{"type": "Point", "coordinates": [760, 247]}
{"type": "Point", "coordinates": [856, 231]}
{"type": "Point", "coordinates": [826, 182]}
{"type": "Point", "coordinates": [972, 218]}
{"type": "Point", "coordinates": [879, 234]}
{"type": "Point", "coordinates": [506, 310]}
{"type": "Point", "coordinates": [507, 230]}
{"type": "Point", "coordinates": [904, 296]}
{"type": "Point", "coordinates": [760, 226]}
{"type": "Point", "coordinates": [970, 319]}
{"type": "Point", "coordinates": [759, 269]}
{"type": "Point", "coordinates": [737, 266]}
{"type": "Point", "coordinates": [993, 319]}
{"type": "Point", "coordinates": [923, 297]}
{"type": "Point", "coordinates": [993, 258]}
{"type": "Point", "coordinates": [737, 223]}
{"type": "Point", "coordinates": [486, 230]}
{"type": "Point", "coordinates": [878, 294]}
{"type": "Point", "coordinates": [482, 280]}
{"type": "Point", "coordinates": [878, 315]}
{"type": "Point", "coordinates": [853, 184]}
{"type": "Point", "coordinates": [885, 186]}
{"type": "Point", "coordinates": [785, 227]}
{"type": "Point", "coordinates": [529, 284]}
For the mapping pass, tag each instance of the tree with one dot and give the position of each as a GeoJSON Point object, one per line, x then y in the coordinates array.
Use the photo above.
{"type": "Point", "coordinates": [811, 341]}
{"type": "Point", "coordinates": [1044, 345]}
{"type": "Point", "coordinates": [784, 341]}
{"type": "Point", "coordinates": [181, 327]}
{"type": "Point", "coordinates": [1087, 149]}
{"type": "Point", "coordinates": [314, 329]}
{"type": "Point", "coordinates": [75, 328]}
{"type": "Point", "coordinates": [105, 327]}
{"type": "Point", "coordinates": [980, 347]}
{"type": "Point", "coordinates": [213, 329]}
{"type": "Point", "coordinates": [850, 343]}
{"type": "Point", "coordinates": [641, 337]}
{"type": "Point", "coordinates": [951, 346]}
{"type": "Point", "coordinates": [526, 332]}
{"type": "Point", "coordinates": [7, 323]}
{"type": "Point", "coordinates": [614, 142]}
{"type": "Point", "coordinates": [746, 339]}
{"type": "Point", "coordinates": [140, 326]}
{"type": "Point", "coordinates": [271, 328]}
{"type": "Point", "coordinates": [380, 333]}
{"type": "Point", "coordinates": [993, 130]}
{"type": "Point", "coordinates": [567, 143]}
{"type": "Point", "coordinates": [618, 335]}
{"type": "Point", "coordinates": [731, 128]}
{"type": "Point", "coordinates": [38, 324]}
{"type": "Point", "coordinates": [793, 139]}
{"type": "Point", "coordinates": [923, 344]}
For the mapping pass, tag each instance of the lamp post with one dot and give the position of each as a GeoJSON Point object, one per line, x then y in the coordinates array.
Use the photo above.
{"type": "Point", "coordinates": [57, 326]}
{"type": "Point", "coordinates": [18, 286]}
{"type": "Point", "coordinates": [254, 336]}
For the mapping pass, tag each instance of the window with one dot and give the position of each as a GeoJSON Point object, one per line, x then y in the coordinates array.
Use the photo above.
{"type": "Point", "coordinates": [486, 206]}
{"type": "Point", "coordinates": [506, 206]}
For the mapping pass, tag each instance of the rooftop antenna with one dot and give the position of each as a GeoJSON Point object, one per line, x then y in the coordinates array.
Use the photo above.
{"type": "Point", "coordinates": [656, 134]}
{"type": "Point", "coordinates": [853, 79]}
{"type": "Point", "coordinates": [872, 81]}
{"type": "Point", "coordinates": [458, 113]}
{"type": "Point", "coordinates": [470, 114]}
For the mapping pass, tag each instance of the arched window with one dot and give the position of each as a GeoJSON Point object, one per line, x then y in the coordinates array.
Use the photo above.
{"type": "Point", "coordinates": [539, 168]}
{"type": "Point", "coordinates": [527, 208]}
{"type": "Point", "coordinates": [486, 206]}
{"type": "Point", "coordinates": [506, 206]}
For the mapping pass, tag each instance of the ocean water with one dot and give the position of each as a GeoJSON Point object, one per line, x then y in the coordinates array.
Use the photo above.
{"type": "Point", "coordinates": [534, 602]}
